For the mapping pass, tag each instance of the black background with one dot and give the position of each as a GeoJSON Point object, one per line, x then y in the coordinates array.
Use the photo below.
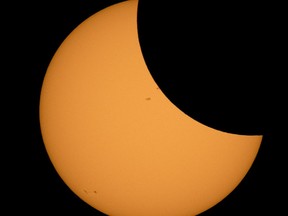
{"type": "Point", "coordinates": [32, 32]}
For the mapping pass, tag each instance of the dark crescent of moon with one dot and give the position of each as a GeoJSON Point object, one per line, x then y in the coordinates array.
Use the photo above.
{"type": "Point", "coordinates": [210, 61]}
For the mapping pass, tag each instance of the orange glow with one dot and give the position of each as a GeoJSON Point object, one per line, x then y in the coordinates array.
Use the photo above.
{"type": "Point", "coordinates": [117, 141]}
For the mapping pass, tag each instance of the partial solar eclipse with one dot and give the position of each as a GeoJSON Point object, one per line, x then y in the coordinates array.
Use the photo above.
{"type": "Point", "coordinates": [118, 142]}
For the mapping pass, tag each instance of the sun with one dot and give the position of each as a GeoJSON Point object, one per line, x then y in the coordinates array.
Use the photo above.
{"type": "Point", "coordinates": [117, 141]}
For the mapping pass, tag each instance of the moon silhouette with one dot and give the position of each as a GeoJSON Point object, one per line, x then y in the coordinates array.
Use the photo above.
{"type": "Point", "coordinates": [207, 59]}
{"type": "Point", "coordinates": [117, 141]}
